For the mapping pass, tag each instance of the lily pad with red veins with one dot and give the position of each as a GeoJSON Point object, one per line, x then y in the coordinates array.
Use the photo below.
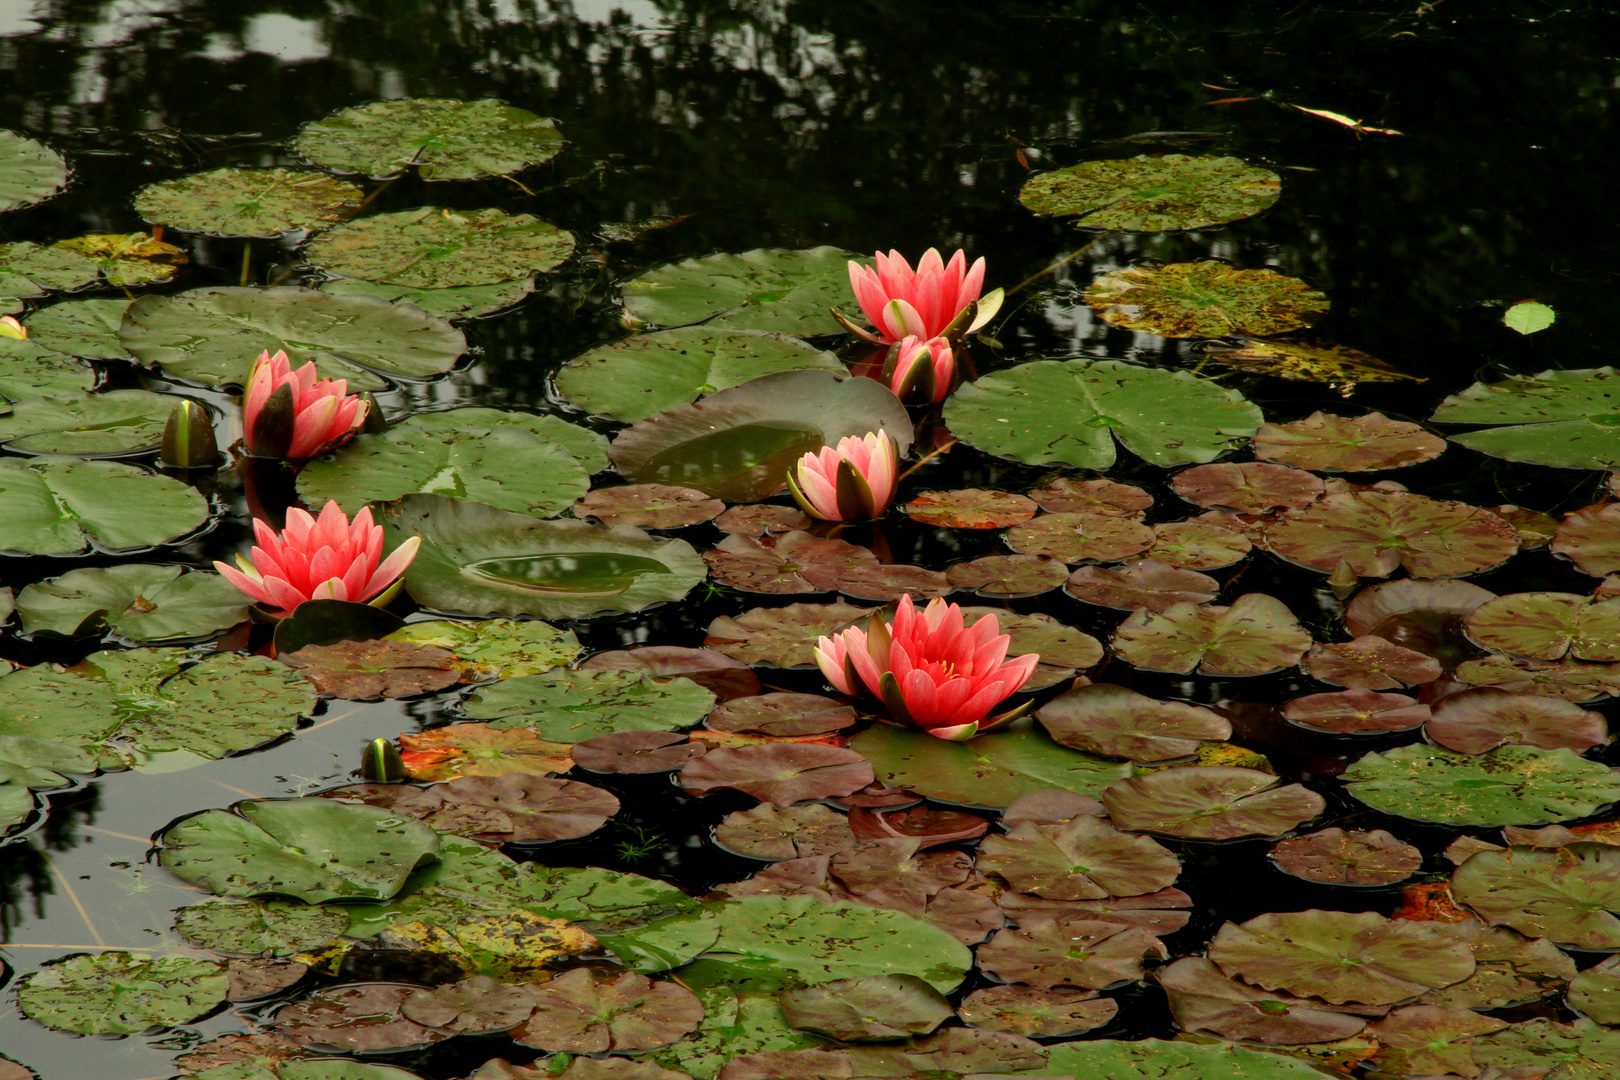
{"type": "Point", "coordinates": [1255, 636]}
{"type": "Point", "coordinates": [1427, 1040]}
{"type": "Point", "coordinates": [716, 672]}
{"type": "Point", "coordinates": [1590, 538]}
{"type": "Point", "coordinates": [1197, 545]}
{"type": "Point", "coordinates": [578, 1013]}
{"type": "Point", "coordinates": [758, 519]}
{"type": "Point", "coordinates": [1083, 858]}
{"type": "Point", "coordinates": [1595, 992]}
{"type": "Point", "coordinates": [1143, 583]}
{"type": "Point", "coordinates": [1474, 721]}
{"type": "Point", "coordinates": [359, 1018]}
{"type": "Point", "coordinates": [1203, 999]}
{"type": "Point", "coordinates": [1567, 894]}
{"type": "Point", "coordinates": [476, 1006]}
{"type": "Point", "coordinates": [795, 832]}
{"type": "Point", "coordinates": [648, 506]}
{"type": "Point", "coordinates": [1008, 576]}
{"type": "Point", "coordinates": [1108, 719]}
{"type": "Point", "coordinates": [371, 669]}
{"type": "Point", "coordinates": [1341, 956]}
{"type": "Point", "coordinates": [1081, 537]}
{"type": "Point", "coordinates": [781, 715]}
{"type": "Point", "coordinates": [928, 827]}
{"type": "Point", "coordinates": [1109, 498]}
{"type": "Point", "coordinates": [1509, 969]}
{"type": "Point", "coordinates": [970, 508]}
{"type": "Point", "coordinates": [889, 581]}
{"type": "Point", "coordinates": [1247, 487]}
{"type": "Point", "coordinates": [1336, 857]}
{"type": "Point", "coordinates": [779, 773]}
{"type": "Point", "coordinates": [1327, 443]}
{"type": "Point", "coordinates": [514, 808]}
{"type": "Point", "coordinates": [1535, 529]}
{"type": "Point", "coordinates": [1077, 951]}
{"type": "Point", "coordinates": [1210, 802]}
{"type": "Point", "coordinates": [780, 636]}
{"type": "Point", "coordinates": [869, 1008]}
{"type": "Point", "coordinates": [635, 752]}
{"type": "Point", "coordinates": [1024, 1010]}
{"type": "Point", "coordinates": [445, 753]}
{"type": "Point", "coordinates": [1356, 712]}
{"type": "Point", "coordinates": [1370, 663]}
{"type": "Point", "coordinates": [1548, 626]}
{"type": "Point", "coordinates": [1571, 680]}
{"type": "Point", "coordinates": [1377, 532]}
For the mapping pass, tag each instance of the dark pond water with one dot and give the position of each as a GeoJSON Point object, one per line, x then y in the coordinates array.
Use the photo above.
{"type": "Point", "coordinates": [866, 126]}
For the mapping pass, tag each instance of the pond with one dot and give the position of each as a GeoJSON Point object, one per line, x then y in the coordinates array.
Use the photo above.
{"type": "Point", "coordinates": [1289, 449]}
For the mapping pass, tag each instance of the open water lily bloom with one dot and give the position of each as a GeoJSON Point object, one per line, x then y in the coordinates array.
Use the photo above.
{"type": "Point", "coordinates": [296, 414]}
{"type": "Point", "coordinates": [938, 299]}
{"type": "Point", "coordinates": [855, 481]}
{"type": "Point", "coordinates": [324, 558]}
{"type": "Point", "coordinates": [930, 669]}
{"type": "Point", "coordinates": [920, 372]}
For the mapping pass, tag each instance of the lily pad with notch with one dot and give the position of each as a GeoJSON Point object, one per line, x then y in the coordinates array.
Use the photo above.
{"type": "Point", "coordinates": [1023, 1010]}
{"type": "Point", "coordinates": [429, 248]}
{"type": "Point", "coordinates": [1256, 635]}
{"type": "Point", "coordinates": [1356, 712]}
{"type": "Point", "coordinates": [1070, 951]}
{"type": "Point", "coordinates": [1106, 719]}
{"type": "Point", "coordinates": [248, 202]}
{"type": "Point", "coordinates": [277, 928]}
{"type": "Point", "coordinates": [780, 636]}
{"type": "Point", "coordinates": [1335, 857]}
{"type": "Point", "coordinates": [1509, 969]}
{"type": "Point", "coordinates": [774, 833]}
{"type": "Point", "coordinates": [1567, 894]}
{"type": "Point", "coordinates": [1323, 442]}
{"type": "Point", "coordinates": [63, 507]}
{"type": "Point", "coordinates": [1203, 999]}
{"type": "Point", "coordinates": [1210, 802]}
{"type": "Point", "coordinates": [970, 508]}
{"type": "Point", "coordinates": [1562, 418]}
{"type": "Point", "coordinates": [714, 671]}
{"type": "Point", "coordinates": [120, 993]}
{"type": "Point", "coordinates": [139, 601]}
{"type": "Point", "coordinates": [111, 423]}
{"type": "Point", "coordinates": [359, 1018]}
{"type": "Point", "coordinates": [30, 172]}
{"type": "Point", "coordinates": [648, 506]}
{"type": "Point", "coordinates": [1378, 532]}
{"type": "Point", "coordinates": [1197, 545]}
{"type": "Point", "coordinates": [1595, 992]}
{"type": "Point", "coordinates": [476, 1006]}
{"type": "Point", "coordinates": [1511, 785]}
{"type": "Point", "coordinates": [777, 290]}
{"type": "Point", "coordinates": [445, 139]}
{"type": "Point", "coordinates": [445, 753]}
{"type": "Point", "coordinates": [495, 648]}
{"type": "Point", "coordinates": [1008, 576]}
{"type": "Point", "coordinates": [572, 706]}
{"type": "Point", "coordinates": [1207, 299]}
{"type": "Point", "coordinates": [1588, 538]}
{"type": "Point", "coordinates": [1474, 721]}
{"type": "Point", "coordinates": [1081, 537]}
{"type": "Point", "coordinates": [1068, 494]}
{"type": "Point", "coordinates": [1141, 583]}
{"type": "Point", "coordinates": [1247, 487]}
{"type": "Point", "coordinates": [1154, 193]}
{"type": "Point", "coordinates": [1370, 663]}
{"type": "Point", "coordinates": [515, 808]}
{"type": "Point", "coordinates": [579, 1012]}
{"type": "Point", "coordinates": [1548, 626]}
{"type": "Point", "coordinates": [779, 773]}
{"type": "Point", "coordinates": [1083, 858]}
{"type": "Point", "coordinates": [332, 622]}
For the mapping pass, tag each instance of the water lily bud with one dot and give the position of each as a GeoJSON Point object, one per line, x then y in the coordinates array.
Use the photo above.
{"type": "Point", "coordinates": [188, 438]}
{"type": "Point", "coordinates": [381, 763]}
{"type": "Point", "coordinates": [374, 422]}
{"type": "Point", "coordinates": [11, 328]}
{"type": "Point", "coordinates": [270, 431]}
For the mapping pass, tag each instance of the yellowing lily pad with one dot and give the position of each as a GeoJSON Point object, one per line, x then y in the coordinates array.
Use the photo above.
{"type": "Point", "coordinates": [1204, 299]}
{"type": "Point", "coordinates": [1153, 193]}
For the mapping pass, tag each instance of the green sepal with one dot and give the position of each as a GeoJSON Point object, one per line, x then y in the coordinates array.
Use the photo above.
{"type": "Point", "coordinates": [188, 438]}
{"type": "Point", "coordinates": [272, 433]}
{"type": "Point", "coordinates": [878, 641]}
{"type": "Point", "coordinates": [918, 384]}
{"type": "Point", "coordinates": [855, 499]}
{"type": "Point", "coordinates": [381, 763]}
{"type": "Point", "coordinates": [847, 324]}
{"type": "Point", "coordinates": [374, 423]}
{"type": "Point", "coordinates": [889, 691]}
{"type": "Point", "coordinates": [959, 325]}
{"type": "Point", "coordinates": [386, 597]}
{"type": "Point", "coordinates": [798, 497]}
{"type": "Point", "coordinates": [1001, 720]}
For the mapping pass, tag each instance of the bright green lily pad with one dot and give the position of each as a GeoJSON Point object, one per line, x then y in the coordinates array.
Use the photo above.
{"type": "Point", "coordinates": [467, 302]}
{"type": "Point", "coordinates": [62, 507]}
{"type": "Point", "coordinates": [735, 1023]}
{"type": "Point", "coordinates": [1069, 412]}
{"type": "Point", "coordinates": [428, 248]}
{"type": "Point", "coordinates": [1551, 1051]}
{"type": "Point", "coordinates": [30, 172]}
{"type": "Point", "coordinates": [1154, 193]}
{"type": "Point", "coordinates": [1511, 785]}
{"type": "Point", "coordinates": [212, 335]}
{"type": "Point", "coordinates": [113, 422]}
{"type": "Point", "coordinates": [261, 927]}
{"type": "Point", "coordinates": [84, 328]}
{"type": "Point", "coordinates": [1204, 300]}
{"type": "Point", "coordinates": [1164, 1060]}
{"type": "Point", "coordinates": [445, 139]}
{"type": "Point", "coordinates": [638, 376]}
{"type": "Point", "coordinates": [496, 648]}
{"type": "Point", "coordinates": [477, 559]}
{"type": "Point", "coordinates": [572, 706]}
{"type": "Point", "coordinates": [248, 202]}
{"type": "Point", "coordinates": [777, 290]}
{"type": "Point", "coordinates": [29, 269]}
{"type": "Point", "coordinates": [120, 993]}
{"type": "Point", "coordinates": [1567, 419]}
{"type": "Point", "coordinates": [27, 370]}
{"type": "Point", "coordinates": [1529, 317]}
{"type": "Point", "coordinates": [1567, 894]}
{"type": "Point", "coordinates": [137, 601]}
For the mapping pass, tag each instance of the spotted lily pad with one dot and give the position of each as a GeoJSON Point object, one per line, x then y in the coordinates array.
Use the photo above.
{"type": "Point", "coordinates": [1376, 532]}
{"type": "Point", "coordinates": [1210, 802]}
{"type": "Point", "coordinates": [1256, 635]}
{"type": "Point", "coordinates": [572, 706]}
{"type": "Point", "coordinates": [1176, 1061]}
{"type": "Point", "coordinates": [1558, 418]}
{"type": "Point", "coordinates": [495, 648]}
{"type": "Point", "coordinates": [428, 248]}
{"type": "Point", "coordinates": [1204, 299]}
{"type": "Point", "coordinates": [1310, 361]}
{"type": "Point", "coordinates": [28, 269]}
{"type": "Point", "coordinates": [30, 172]}
{"type": "Point", "coordinates": [1567, 894]}
{"type": "Point", "coordinates": [1072, 951]}
{"type": "Point", "coordinates": [1247, 487]}
{"type": "Point", "coordinates": [1548, 626]}
{"type": "Point", "coordinates": [1595, 992]}
{"type": "Point", "coordinates": [445, 139]}
{"type": "Point", "coordinates": [875, 1007]}
{"type": "Point", "coordinates": [578, 1014]}
{"type": "Point", "coordinates": [375, 669]}
{"type": "Point", "coordinates": [1069, 494]}
{"type": "Point", "coordinates": [1203, 999]}
{"type": "Point", "coordinates": [481, 750]}
{"type": "Point", "coordinates": [1336, 857]}
{"type": "Point", "coordinates": [779, 773]}
{"type": "Point", "coordinates": [127, 258]}
{"type": "Point", "coordinates": [648, 506]}
{"type": "Point", "coordinates": [356, 1018]}
{"type": "Point", "coordinates": [970, 508]}
{"type": "Point", "coordinates": [1024, 1010]}
{"type": "Point", "coordinates": [795, 562]}
{"type": "Point", "coordinates": [1571, 680]}
{"type": "Point", "coordinates": [120, 993]}
{"type": "Point", "coordinates": [1511, 785]}
{"type": "Point", "coordinates": [1370, 663]}
{"type": "Point", "coordinates": [62, 507]}
{"type": "Point", "coordinates": [139, 601]}
{"type": "Point", "coordinates": [248, 202]}
{"type": "Point", "coordinates": [1081, 537]}
{"type": "Point", "coordinates": [1107, 719]}
{"type": "Point", "coordinates": [513, 808]}
{"type": "Point", "coordinates": [1197, 545]}
{"type": "Point", "coordinates": [260, 927]}
{"type": "Point", "coordinates": [781, 636]}
{"type": "Point", "coordinates": [774, 832]}
{"type": "Point", "coordinates": [1152, 193]}
{"type": "Point", "coordinates": [84, 328]}
{"type": "Point", "coordinates": [1474, 721]}
{"type": "Point", "coordinates": [1141, 583]}
{"type": "Point", "coordinates": [1588, 538]}
{"type": "Point", "coordinates": [476, 1006]}
{"type": "Point", "coordinates": [762, 519]}
{"type": "Point", "coordinates": [770, 289]}
{"type": "Point", "coordinates": [1079, 859]}
{"type": "Point", "coordinates": [1068, 412]}
{"type": "Point", "coordinates": [1356, 712]}
{"type": "Point", "coordinates": [1323, 442]}
{"type": "Point", "coordinates": [1509, 969]}
{"type": "Point", "coordinates": [1007, 576]}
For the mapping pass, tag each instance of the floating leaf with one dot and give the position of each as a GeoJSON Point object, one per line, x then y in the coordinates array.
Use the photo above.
{"type": "Point", "coordinates": [1555, 1051]}
{"type": "Point", "coordinates": [62, 507]}
{"type": "Point", "coordinates": [28, 269]}
{"type": "Point", "coordinates": [781, 715]}
{"type": "Point", "coordinates": [1141, 583]}
{"type": "Point", "coordinates": [781, 636]}
{"type": "Point", "coordinates": [1567, 894]}
{"type": "Point", "coordinates": [1107, 719]}
{"type": "Point", "coordinates": [428, 248]}
{"type": "Point", "coordinates": [1511, 785]}
{"type": "Point", "coordinates": [1068, 412]}
{"type": "Point", "coordinates": [1595, 992]}
{"type": "Point", "coordinates": [1376, 532]}
{"type": "Point", "coordinates": [762, 519]}
{"type": "Point", "coordinates": [1008, 576]}
{"type": "Point", "coordinates": [1356, 712]}
{"type": "Point", "coordinates": [83, 328]}
{"type": "Point", "coordinates": [1548, 626]}
{"type": "Point", "coordinates": [28, 371]}
{"type": "Point", "coordinates": [1210, 802]}
{"type": "Point", "coordinates": [714, 671]}
{"type": "Point", "coordinates": [138, 601]}
{"type": "Point", "coordinates": [127, 258]}
{"type": "Point", "coordinates": [770, 289]}
{"type": "Point", "coordinates": [210, 335]}
{"type": "Point", "coordinates": [119, 993]}
{"type": "Point", "coordinates": [466, 302]}
{"type": "Point", "coordinates": [476, 1006]}
{"type": "Point", "coordinates": [445, 139]}
{"type": "Point", "coordinates": [1074, 951]}
{"type": "Point", "coordinates": [774, 833]}
{"type": "Point", "coordinates": [1311, 361]}
{"type": "Point", "coordinates": [30, 172]}
{"type": "Point", "coordinates": [738, 444]}
{"type": "Point", "coordinates": [1197, 545]}
{"type": "Point", "coordinates": [1247, 487]}
{"type": "Point", "coordinates": [481, 750]}
{"type": "Point", "coordinates": [478, 559]}
{"type": "Point", "coordinates": [513, 808]}
{"type": "Point", "coordinates": [930, 828]}
{"type": "Point", "coordinates": [1374, 606]}
{"type": "Point", "coordinates": [572, 706]}
{"type": "Point", "coordinates": [1204, 299]}
{"type": "Point", "coordinates": [260, 927]}
{"type": "Point", "coordinates": [1509, 969]}
{"type": "Point", "coordinates": [779, 773]}
{"type": "Point", "coordinates": [248, 202]}
{"type": "Point", "coordinates": [736, 1025]}
{"type": "Point", "coordinates": [375, 669]}
{"type": "Point", "coordinates": [1175, 1061]}
{"type": "Point", "coordinates": [1529, 316]}
{"type": "Point", "coordinates": [1107, 497]}
{"type": "Point", "coordinates": [1336, 857]}
{"type": "Point", "coordinates": [1081, 537]}
{"type": "Point", "coordinates": [1474, 721]}
{"type": "Point", "coordinates": [648, 506]}
{"type": "Point", "coordinates": [970, 508]}
{"type": "Point", "coordinates": [1370, 663]}
{"type": "Point", "coordinates": [1558, 418]}
{"type": "Point", "coordinates": [574, 1013]}
{"type": "Point", "coordinates": [1153, 193]}
{"type": "Point", "coordinates": [1203, 999]}
{"type": "Point", "coordinates": [113, 422]}
{"type": "Point", "coordinates": [1079, 859]}
{"type": "Point", "coordinates": [795, 562]}
{"type": "Point", "coordinates": [314, 849]}
{"type": "Point", "coordinates": [635, 752]}
{"type": "Point", "coordinates": [1587, 538]}
{"type": "Point", "coordinates": [496, 648]}
{"type": "Point", "coordinates": [1571, 680]}
{"type": "Point", "coordinates": [1324, 442]}
{"type": "Point", "coordinates": [875, 1007]}
{"type": "Point", "coordinates": [1256, 635]}
{"type": "Point", "coordinates": [356, 1018]}
{"type": "Point", "coordinates": [1024, 1010]}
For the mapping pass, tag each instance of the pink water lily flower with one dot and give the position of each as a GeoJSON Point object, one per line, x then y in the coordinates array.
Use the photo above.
{"type": "Point", "coordinates": [296, 414]}
{"type": "Point", "coordinates": [920, 372]}
{"type": "Point", "coordinates": [324, 558]}
{"type": "Point", "coordinates": [854, 482]}
{"type": "Point", "coordinates": [938, 299]}
{"type": "Point", "coordinates": [929, 669]}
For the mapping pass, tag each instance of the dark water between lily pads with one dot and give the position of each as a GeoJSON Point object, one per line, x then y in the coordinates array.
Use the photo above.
{"type": "Point", "coordinates": [700, 128]}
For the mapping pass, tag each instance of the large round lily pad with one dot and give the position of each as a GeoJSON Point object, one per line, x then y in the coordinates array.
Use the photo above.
{"type": "Point", "coordinates": [1027, 1011]}
{"type": "Point", "coordinates": [875, 1007]}
{"type": "Point", "coordinates": [1377, 532]}
{"type": "Point", "coordinates": [1076, 537]}
{"type": "Point", "coordinates": [1569, 419]}
{"type": "Point", "coordinates": [138, 601]}
{"type": "Point", "coordinates": [29, 269]}
{"type": "Point", "coordinates": [1567, 894]}
{"type": "Point", "coordinates": [1203, 999]}
{"type": "Point", "coordinates": [1072, 950]}
{"type": "Point", "coordinates": [1511, 785]}
{"type": "Point", "coordinates": [261, 927]}
{"type": "Point", "coordinates": [1153, 193]}
{"type": "Point", "coordinates": [772, 289]}
{"type": "Point", "coordinates": [1256, 635]}
{"type": "Point", "coordinates": [477, 559]}
{"type": "Point", "coordinates": [248, 202]}
{"type": "Point", "coordinates": [638, 376]}
{"type": "Point", "coordinates": [779, 773]}
{"type": "Point", "coordinates": [1141, 583]}
{"type": "Point", "coordinates": [1107, 719]}
{"type": "Point", "coordinates": [1478, 720]}
{"type": "Point", "coordinates": [1336, 857]}
{"type": "Point", "coordinates": [429, 248]}
{"type": "Point", "coordinates": [1327, 443]}
{"type": "Point", "coordinates": [1083, 858]}
{"type": "Point", "coordinates": [1204, 299]}
{"type": "Point", "coordinates": [781, 636]}
{"type": "Point", "coordinates": [445, 139]}
{"type": "Point", "coordinates": [738, 444]}
{"type": "Point", "coordinates": [1356, 712]}
{"type": "Point", "coordinates": [84, 328]}
{"type": "Point", "coordinates": [114, 422]}
{"type": "Point", "coordinates": [63, 507]}
{"type": "Point", "coordinates": [1548, 626]}
{"type": "Point", "coordinates": [572, 706]}
{"type": "Point", "coordinates": [211, 335]}
{"type": "Point", "coordinates": [1210, 802]}
{"type": "Point", "coordinates": [515, 808]}
{"type": "Point", "coordinates": [1068, 412]}
{"type": "Point", "coordinates": [578, 1013]}
{"type": "Point", "coordinates": [120, 993]}
{"type": "Point", "coordinates": [30, 172]}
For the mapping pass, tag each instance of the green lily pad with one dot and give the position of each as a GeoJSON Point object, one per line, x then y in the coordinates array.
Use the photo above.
{"type": "Point", "coordinates": [1106, 719]}
{"type": "Point", "coordinates": [507, 460]}
{"type": "Point", "coordinates": [30, 172]}
{"type": "Point", "coordinates": [445, 139]}
{"type": "Point", "coordinates": [1083, 858]}
{"type": "Point", "coordinates": [34, 763]}
{"type": "Point", "coordinates": [261, 927]}
{"type": "Point", "coordinates": [120, 993]}
{"type": "Point", "coordinates": [475, 558]}
{"type": "Point", "coordinates": [739, 443]}
{"type": "Point", "coordinates": [1210, 802]}
{"type": "Point", "coordinates": [572, 706]}
{"type": "Point", "coordinates": [990, 771]}
{"type": "Point", "coordinates": [211, 335]}
{"type": "Point", "coordinates": [1566, 419]}
{"type": "Point", "coordinates": [137, 601]}
{"type": "Point", "coordinates": [496, 648]}
{"type": "Point", "coordinates": [313, 849]}
{"type": "Point", "coordinates": [63, 507]}
{"type": "Point", "coordinates": [1529, 317]}
{"type": "Point", "coordinates": [1539, 1047]}
{"type": "Point", "coordinates": [874, 1007]}
{"type": "Point", "coordinates": [735, 1024]}
{"type": "Point", "coordinates": [466, 302]}
{"type": "Point", "coordinates": [1511, 785]}
{"type": "Point", "coordinates": [1174, 1061]}
{"type": "Point", "coordinates": [1323, 442]}
{"type": "Point", "coordinates": [429, 248]}
{"type": "Point", "coordinates": [112, 422]}
{"type": "Point", "coordinates": [1427, 1040]}
{"type": "Point", "coordinates": [1153, 193]}
{"type": "Point", "coordinates": [575, 1013]}
{"type": "Point", "coordinates": [126, 259]}
{"type": "Point", "coordinates": [1203, 999]}
{"type": "Point", "coordinates": [1547, 626]}
{"type": "Point", "coordinates": [28, 370]}
{"type": "Point", "coordinates": [248, 202]}
{"type": "Point", "coordinates": [1377, 532]}
{"type": "Point", "coordinates": [639, 376]}
{"type": "Point", "coordinates": [1256, 635]}
{"type": "Point", "coordinates": [1068, 412]}
{"type": "Point", "coordinates": [771, 289]}
{"type": "Point", "coordinates": [1595, 992]}
{"type": "Point", "coordinates": [83, 328]}
{"type": "Point", "coordinates": [1204, 299]}
{"type": "Point", "coordinates": [1567, 894]}
{"type": "Point", "coordinates": [29, 269]}
{"type": "Point", "coordinates": [1509, 969]}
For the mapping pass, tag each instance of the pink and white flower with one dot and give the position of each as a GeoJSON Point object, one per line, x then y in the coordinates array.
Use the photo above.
{"type": "Point", "coordinates": [296, 414]}
{"type": "Point", "coordinates": [938, 299]}
{"type": "Point", "coordinates": [921, 371]}
{"type": "Point", "coordinates": [855, 481]}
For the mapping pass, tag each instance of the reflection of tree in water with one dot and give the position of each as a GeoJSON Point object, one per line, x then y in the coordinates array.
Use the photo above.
{"type": "Point", "coordinates": [25, 874]}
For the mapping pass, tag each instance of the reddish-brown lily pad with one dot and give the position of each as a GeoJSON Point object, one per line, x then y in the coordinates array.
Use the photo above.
{"type": "Point", "coordinates": [1209, 802]}
{"type": "Point", "coordinates": [1040, 1014]}
{"type": "Point", "coordinates": [872, 1007]}
{"type": "Point", "coordinates": [1203, 999]}
{"type": "Point", "coordinates": [1482, 719]}
{"type": "Point", "coordinates": [1548, 626]}
{"type": "Point", "coordinates": [1595, 992]}
{"type": "Point", "coordinates": [793, 832]}
{"type": "Point", "coordinates": [1535, 529]}
{"type": "Point", "coordinates": [255, 978]}
{"type": "Point", "coordinates": [928, 827]}
{"type": "Point", "coordinates": [356, 1018]}
{"type": "Point", "coordinates": [1356, 712]}
{"type": "Point", "coordinates": [1197, 545]}
{"type": "Point", "coordinates": [781, 715]}
{"type": "Point", "coordinates": [1053, 805]}
{"type": "Point", "coordinates": [1247, 487]}
{"type": "Point", "coordinates": [1083, 858]}
{"type": "Point", "coordinates": [1106, 497]}
{"type": "Point", "coordinates": [635, 752]}
{"type": "Point", "coordinates": [757, 519]}
{"type": "Point", "coordinates": [1144, 583]}
{"type": "Point", "coordinates": [1377, 532]}
{"type": "Point", "coordinates": [476, 1006]}
{"type": "Point", "coordinates": [1568, 894]}
{"type": "Point", "coordinates": [1081, 537]}
{"type": "Point", "coordinates": [896, 874]}
{"type": "Point", "coordinates": [1509, 969]}
{"type": "Point", "coordinates": [1370, 663]}
{"type": "Point", "coordinates": [1336, 857]}
{"type": "Point", "coordinates": [1008, 575]}
{"type": "Point", "coordinates": [1571, 680]}
{"type": "Point", "coordinates": [970, 508]}
{"type": "Point", "coordinates": [780, 636]}
{"type": "Point", "coordinates": [716, 672]}
{"type": "Point", "coordinates": [1375, 605]}
{"type": "Point", "coordinates": [1162, 912]}
{"type": "Point", "coordinates": [648, 506]}
{"type": "Point", "coordinates": [481, 750]}
{"type": "Point", "coordinates": [1426, 1040]}
{"type": "Point", "coordinates": [1329, 443]}
{"type": "Point", "coordinates": [1255, 636]}
{"type": "Point", "coordinates": [779, 773]}
{"type": "Point", "coordinates": [1107, 719]}
{"type": "Point", "coordinates": [371, 669]}
{"type": "Point", "coordinates": [578, 1013]}
{"type": "Point", "coordinates": [1590, 538]}
{"type": "Point", "coordinates": [515, 808]}
{"type": "Point", "coordinates": [891, 581]}
{"type": "Point", "coordinates": [1077, 951]}
{"type": "Point", "coordinates": [795, 562]}
{"type": "Point", "coordinates": [1063, 649]}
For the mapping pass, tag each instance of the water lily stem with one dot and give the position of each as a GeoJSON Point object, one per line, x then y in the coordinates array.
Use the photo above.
{"type": "Point", "coordinates": [938, 450]}
{"type": "Point", "coordinates": [67, 887]}
{"type": "Point", "coordinates": [247, 260]}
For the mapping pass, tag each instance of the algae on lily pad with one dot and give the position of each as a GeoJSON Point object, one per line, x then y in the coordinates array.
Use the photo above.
{"type": "Point", "coordinates": [139, 601]}
{"type": "Point", "coordinates": [30, 172]}
{"type": "Point", "coordinates": [1511, 785]}
{"type": "Point", "coordinates": [248, 202]}
{"type": "Point", "coordinates": [572, 706]}
{"type": "Point", "coordinates": [55, 506]}
{"type": "Point", "coordinates": [121, 993]}
{"type": "Point", "coordinates": [1165, 1060]}
{"type": "Point", "coordinates": [445, 139]}
{"type": "Point", "coordinates": [776, 290]}
{"type": "Point", "coordinates": [127, 258]}
{"type": "Point", "coordinates": [1204, 299]}
{"type": "Point", "coordinates": [1567, 419]}
{"type": "Point", "coordinates": [1152, 193]}
{"type": "Point", "coordinates": [496, 648]}
{"type": "Point", "coordinates": [261, 927]}
{"type": "Point", "coordinates": [429, 248]}
{"type": "Point", "coordinates": [1068, 412]}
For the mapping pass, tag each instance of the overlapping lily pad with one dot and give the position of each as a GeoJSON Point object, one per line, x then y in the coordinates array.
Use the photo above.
{"type": "Point", "coordinates": [27, 370]}
{"type": "Point", "coordinates": [1588, 538]}
{"type": "Point", "coordinates": [28, 269]}
{"type": "Point", "coordinates": [1107, 719]}
{"type": "Point", "coordinates": [780, 636]}
{"type": "Point", "coordinates": [1071, 951]}
{"type": "Point", "coordinates": [1008, 576]}
{"type": "Point", "coordinates": [1079, 859]}
{"type": "Point", "coordinates": [771, 289]}
{"type": "Point", "coordinates": [356, 1018]}
{"type": "Point", "coordinates": [496, 648]}
{"type": "Point", "coordinates": [1257, 634]}
{"type": "Point", "coordinates": [63, 507]}
{"type": "Point", "coordinates": [111, 423]}
{"type": "Point", "coordinates": [428, 248]}
{"type": "Point", "coordinates": [261, 927]}
{"type": "Point", "coordinates": [1548, 626]}
{"type": "Point", "coordinates": [1069, 412]}
{"type": "Point", "coordinates": [481, 750]}
{"type": "Point", "coordinates": [1356, 712]}
{"type": "Point", "coordinates": [1141, 583]}
{"type": "Point", "coordinates": [875, 1007]}
{"type": "Point", "coordinates": [1311, 361]}
{"type": "Point", "coordinates": [375, 669]}
{"type": "Point", "coordinates": [1559, 417]}
{"type": "Point", "coordinates": [779, 773]}
{"type": "Point", "coordinates": [1210, 802]}
{"type": "Point", "coordinates": [1197, 545]}
{"type": "Point", "coordinates": [1204, 299]}
{"type": "Point", "coordinates": [577, 1013]}
{"type": "Point", "coordinates": [572, 706]}
{"type": "Point", "coordinates": [1323, 442]}
{"type": "Point", "coordinates": [127, 258]}
{"type": "Point", "coordinates": [1511, 785]}
{"type": "Point", "coordinates": [120, 993]}
{"type": "Point", "coordinates": [1203, 999]}
{"type": "Point", "coordinates": [774, 833]}
{"type": "Point", "coordinates": [84, 328]}
{"type": "Point", "coordinates": [1068, 494]}
{"type": "Point", "coordinates": [1566, 894]}
{"type": "Point", "coordinates": [1370, 663]}
{"type": "Point", "coordinates": [1571, 680]}
{"type": "Point", "coordinates": [445, 139]}
{"type": "Point", "coordinates": [139, 601]}
{"type": "Point", "coordinates": [1247, 487]}
{"type": "Point", "coordinates": [1152, 193]}
{"type": "Point", "coordinates": [248, 202]}
{"type": "Point", "coordinates": [781, 715]}
{"type": "Point", "coordinates": [1474, 721]}
{"type": "Point", "coordinates": [30, 172]}
{"type": "Point", "coordinates": [648, 506]}
{"type": "Point", "coordinates": [1377, 532]}
{"type": "Point", "coordinates": [714, 671]}
{"type": "Point", "coordinates": [1595, 992]}
{"type": "Point", "coordinates": [970, 508]}
{"type": "Point", "coordinates": [635, 752]}
{"type": "Point", "coordinates": [1177, 1061]}
{"type": "Point", "coordinates": [1024, 1010]}
{"type": "Point", "coordinates": [466, 302]}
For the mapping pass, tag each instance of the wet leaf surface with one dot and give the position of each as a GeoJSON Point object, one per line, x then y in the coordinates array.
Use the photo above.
{"type": "Point", "coordinates": [1567, 679]}
{"type": "Point", "coordinates": [1081, 952]}
{"type": "Point", "coordinates": [30, 172]}
{"type": "Point", "coordinates": [495, 648]}
{"type": "Point", "coordinates": [930, 828]}
{"type": "Point", "coordinates": [794, 832]}
{"type": "Point", "coordinates": [572, 706]}
{"type": "Point", "coordinates": [1511, 785]}
{"type": "Point", "coordinates": [428, 248]}
{"type": "Point", "coordinates": [481, 750]}
{"type": "Point", "coordinates": [758, 519]}
{"type": "Point", "coordinates": [373, 669]}
{"type": "Point", "coordinates": [780, 774]}
{"type": "Point", "coordinates": [1078, 859]}
{"type": "Point", "coordinates": [772, 289]}
{"type": "Point", "coordinates": [356, 1018]}
{"type": "Point", "coordinates": [82, 328]}
{"type": "Point", "coordinates": [1474, 721]}
{"type": "Point", "coordinates": [1378, 532]}
{"type": "Point", "coordinates": [648, 506]}
{"type": "Point", "coordinates": [578, 1013]}
{"type": "Point", "coordinates": [1595, 992]}
{"type": "Point", "coordinates": [1555, 418]}
{"type": "Point", "coordinates": [1336, 857]}
{"type": "Point", "coordinates": [248, 202]}
{"type": "Point", "coordinates": [63, 507]}
{"type": "Point", "coordinates": [1247, 487]}
{"type": "Point", "coordinates": [1204, 300]}
{"type": "Point", "coordinates": [1153, 193]}
{"type": "Point", "coordinates": [1324, 442]}
{"type": "Point", "coordinates": [127, 258]}
{"type": "Point", "coordinates": [1210, 802]}
{"type": "Point", "coordinates": [1369, 663]}
{"type": "Point", "coordinates": [1587, 538]}
{"type": "Point", "coordinates": [446, 140]}
{"type": "Point", "coordinates": [1356, 712]}
{"type": "Point", "coordinates": [1080, 537]}
{"type": "Point", "coordinates": [141, 602]}
{"type": "Point", "coordinates": [1428, 1040]}
{"type": "Point", "coordinates": [475, 1006]}
{"type": "Point", "coordinates": [1311, 361]}
{"type": "Point", "coordinates": [514, 808]}
{"type": "Point", "coordinates": [1508, 969]}
{"type": "Point", "coordinates": [716, 672]}
{"type": "Point", "coordinates": [119, 993]}
{"type": "Point", "coordinates": [970, 508]}
{"type": "Point", "coordinates": [1566, 894]}
{"type": "Point", "coordinates": [1008, 576]}
{"type": "Point", "coordinates": [1107, 719]}
{"type": "Point", "coordinates": [1197, 545]}
{"type": "Point", "coordinates": [260, 927]}
{"type": "Point", "coordinates": [1110, 498]}
{"type": "Point", "coordinates": [1142, 583]}
{"type": "Point", "coordinates": [1256, 635]}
